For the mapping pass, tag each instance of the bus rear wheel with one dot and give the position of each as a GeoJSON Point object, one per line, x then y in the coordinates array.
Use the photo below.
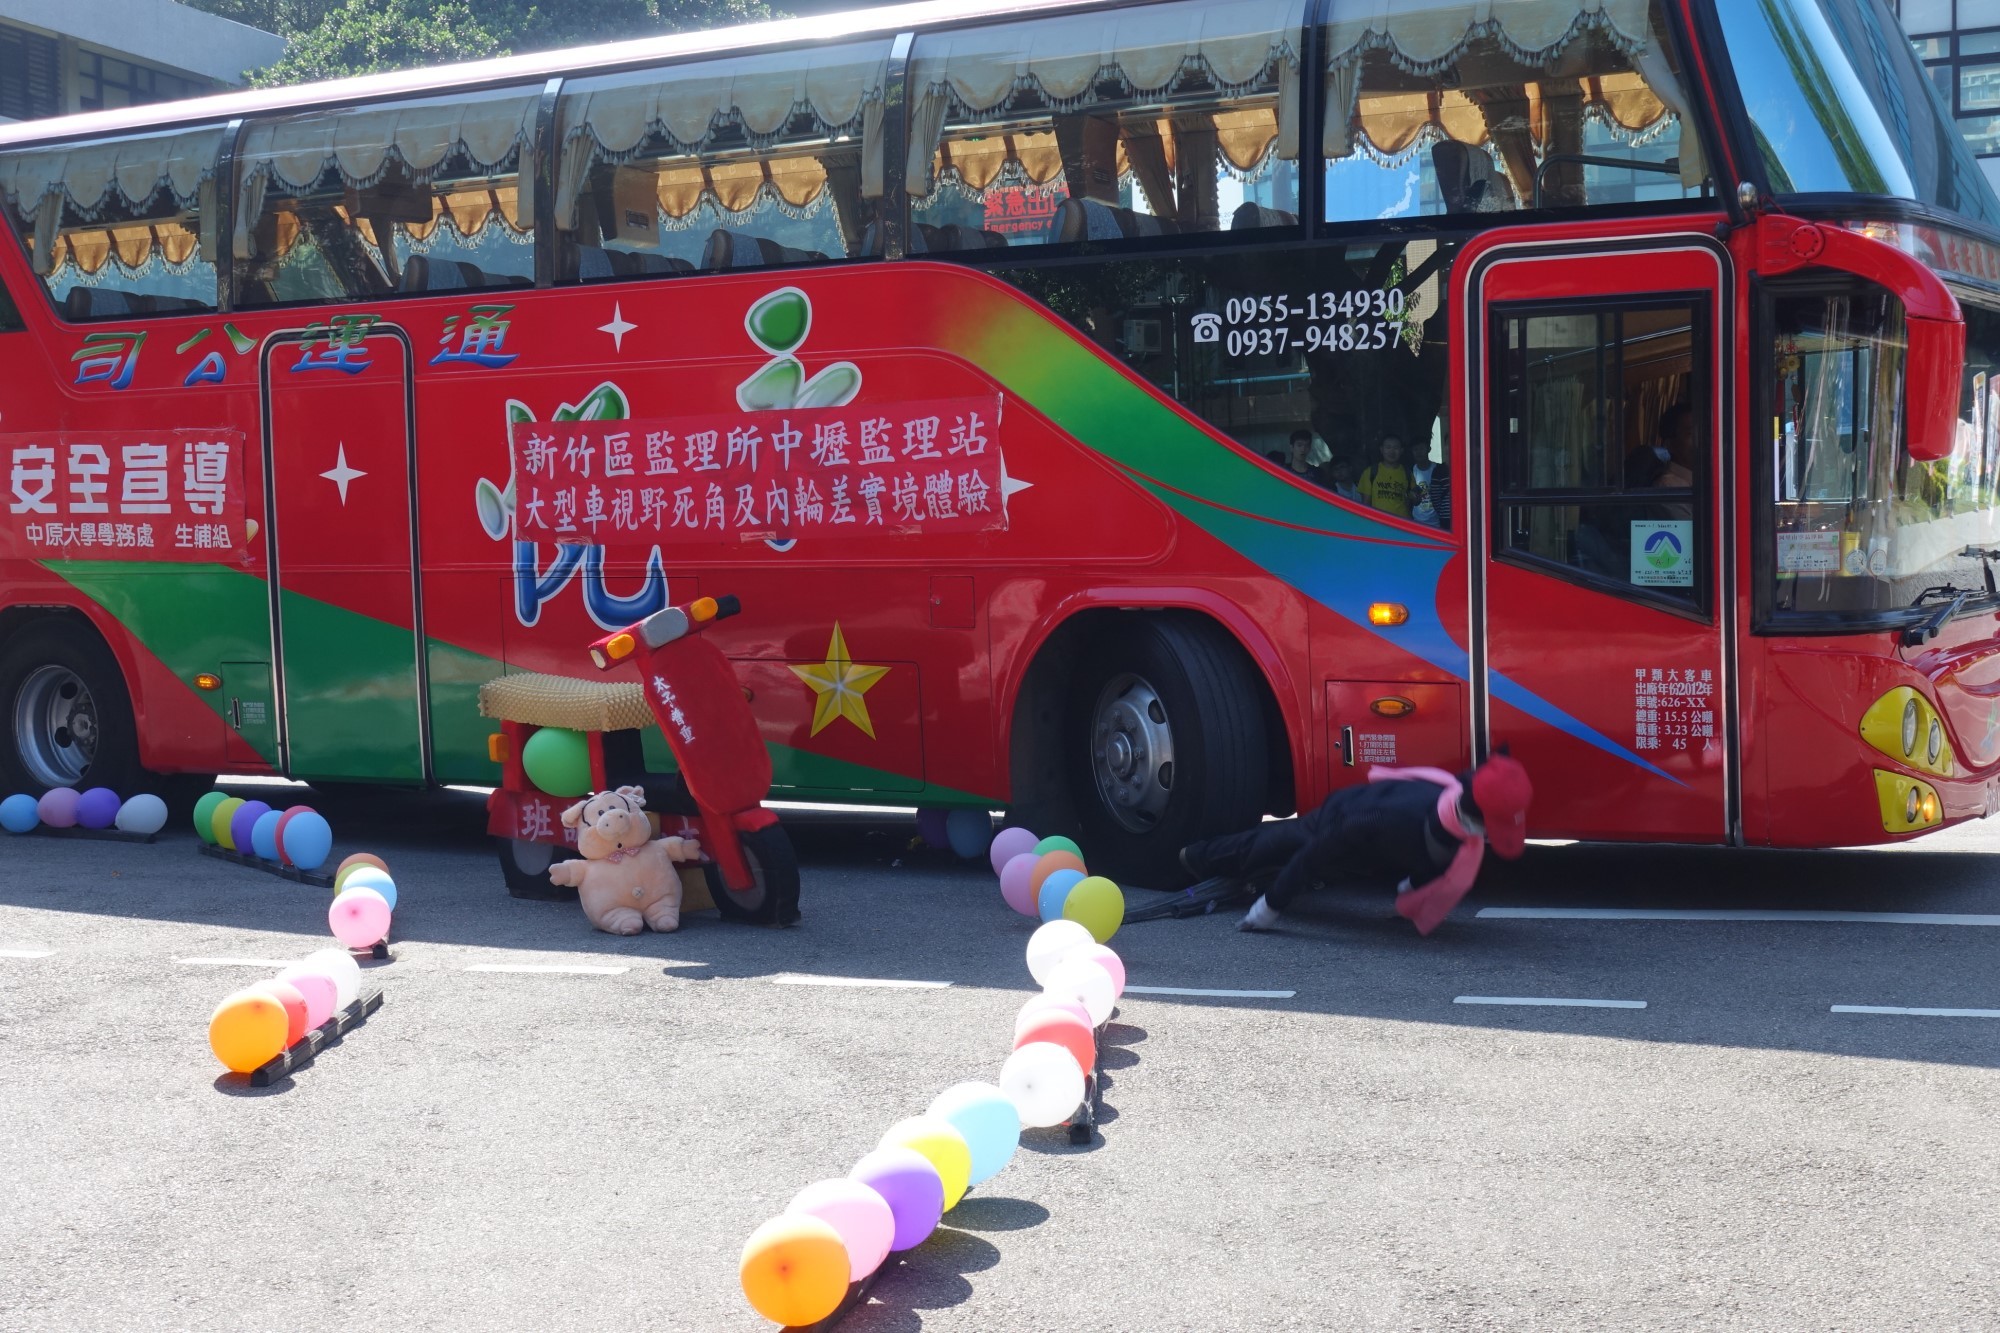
{"type": "Point", "coordinates": [1166, 745]}
{"type": "Point", "coordinates": [70, 718]}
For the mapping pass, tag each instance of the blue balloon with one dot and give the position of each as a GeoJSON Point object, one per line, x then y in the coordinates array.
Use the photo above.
{"type": "Point", "coordinates": [19, 814]}
{"type": "Point", "coordinates": [987, 1118]}
{"type": "Point", "coordinates": [969, 832]}
{"type": "Point", "coordinates": [368, 877]}
{"type": "Point", "coordinates": [1055, 889]}
{"type": "Point", "coordinates": [264, 834]}
{"type": "Point", "coordinates": [308, 839]}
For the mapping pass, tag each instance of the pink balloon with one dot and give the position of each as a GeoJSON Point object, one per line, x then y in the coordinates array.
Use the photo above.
{"type": "Point", "coordinates": [317, 988]}
{"type": "Point", "coordinates": [1102, 956]}
{"type": "Point", "coordinates": [1009, 843]}
{"type": "Point", "coordinates": [359, 917]}
{"type": "Point", "coordinates": [858, 1213]}
{"type": "Point", "coordinates": [1040, 1004]}
{"type": "Point", "coordinates": [1016, 886]}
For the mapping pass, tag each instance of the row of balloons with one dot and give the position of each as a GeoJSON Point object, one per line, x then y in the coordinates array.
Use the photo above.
{"type": "Point", "coordinates": [1046, 878]}
{"type": "Point", "coordinates": [296, 836]}
{"type": "Point", "coordinates": [797, 1267]}
{"type": "Point", "coordinates": [257, 1023]}
{"type": "Point", "coordinates": [98, 808]}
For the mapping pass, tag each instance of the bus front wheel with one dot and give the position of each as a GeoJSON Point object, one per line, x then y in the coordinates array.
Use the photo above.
{"type": "Point", "coordinates": [1166, 744]}
{"type": "Point", "coordinates": [67, 710]}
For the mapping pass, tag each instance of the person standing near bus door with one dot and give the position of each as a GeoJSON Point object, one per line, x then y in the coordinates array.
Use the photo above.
{"type": "Point", "coordinates": [1387, 483]}
{"type": "Point", "coordinates": [1421, 830]}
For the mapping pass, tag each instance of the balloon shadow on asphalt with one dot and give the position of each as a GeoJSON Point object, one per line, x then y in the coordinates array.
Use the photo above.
{"type": "Point", "coordinates": [930, 1277]}
{"type": "Point", "coordinates": [976, 1213]}
{"type": "Point", "coordinates": [238, 1085]}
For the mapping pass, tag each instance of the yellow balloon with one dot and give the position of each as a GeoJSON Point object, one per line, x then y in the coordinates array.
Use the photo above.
{"type": "Point", "coordinates": [248, 1028]}
{"type": "Point", "coordinates": [938, 1141]}
{"type": "Point", "coordinates": [1097, 905]}
{"type": "Point", "coordinates": [794, 1269]}
{"type": "Point", "coordinates": [219, 822]}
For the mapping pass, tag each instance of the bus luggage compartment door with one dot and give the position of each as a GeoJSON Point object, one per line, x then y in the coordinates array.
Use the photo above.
{"type": "Point", "coordinates": [1391, 724]}
{"type": "Point", "coordinates": [342, 546]}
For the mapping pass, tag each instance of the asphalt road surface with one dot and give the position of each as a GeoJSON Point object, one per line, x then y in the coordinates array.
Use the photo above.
{"type": "Point", "coordinates": [1372, 1147]}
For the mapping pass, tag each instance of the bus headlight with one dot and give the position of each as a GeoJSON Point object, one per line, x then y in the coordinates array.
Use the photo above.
{"type": "Point", "coordinates": [1903, 725]}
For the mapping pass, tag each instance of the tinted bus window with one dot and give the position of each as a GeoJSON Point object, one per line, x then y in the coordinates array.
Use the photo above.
{"type": "Point", "coordinates": [1463, 106]}
{"type": "Point", "coordinates": [1140, 122]}
{"type": "Point", "coordinates": [407, 198]}
{"type": "Point", "coordinates": [766, 159]}
{"type": "Point", "coordinates": [120, 227]}
{"type": "Point", "coordinates": [10, 314]}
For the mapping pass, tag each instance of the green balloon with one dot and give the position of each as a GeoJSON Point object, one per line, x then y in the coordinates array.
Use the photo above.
{"type": "Point", "coordinates": [204, 815]}
{"type": "Point", "coordinates": [1047, 845]}
{"type": "Point", "coordinates": [558, 761]}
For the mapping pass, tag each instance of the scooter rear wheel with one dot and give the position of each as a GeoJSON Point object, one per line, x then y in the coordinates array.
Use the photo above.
{"type": "Point", "coordinates": [525, 866]}
{"type": "Point", "coordinates": [773, 896]}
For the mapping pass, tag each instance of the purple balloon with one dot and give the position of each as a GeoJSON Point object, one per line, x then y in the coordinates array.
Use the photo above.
{"type": "Point", "coordinates": [911, 1187]}
{"type": "Point", "coordinates": [58, 807]}
{"type": "Point", "coordinates": [932, 829]}
{"type": "Point", "coordinates": [1015, 883]}
{"type": "Point", "coordinates": [243, 826]}
{"type": "Point", "coordinates": [97, 808]}
{"type": "Point", "coordinates": [1009, 843]}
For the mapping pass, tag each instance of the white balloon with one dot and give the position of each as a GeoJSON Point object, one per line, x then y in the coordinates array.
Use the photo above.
{"type": "Point", "coordinates": [340, 965]}
{"type": "Point", "coordinates": [142, 814]}
{"type": "Point", "coordinates": [1044, 1083]}
{"type": "Point", "coordinates": [1041, 1003]}
{"type": "Point", "coordinates": [1086, 980]}
{"type": "Point", "coordinates": [1049, 943]}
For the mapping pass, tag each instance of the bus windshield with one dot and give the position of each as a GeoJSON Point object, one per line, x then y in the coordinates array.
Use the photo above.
{"type": "Point", "coordinates": [1838, 104]}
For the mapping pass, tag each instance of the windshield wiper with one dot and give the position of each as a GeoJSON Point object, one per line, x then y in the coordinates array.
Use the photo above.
{"type": "Point", "coordinates": [1916, 635]}
{"type": "Point", "coordinates": [1986, 556]}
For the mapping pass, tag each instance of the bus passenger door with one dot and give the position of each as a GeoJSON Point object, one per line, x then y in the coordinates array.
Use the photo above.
{"type": "Point", "coordinates": [1603, 612]}
{"type": "Point", "coordinates": [338, 473]}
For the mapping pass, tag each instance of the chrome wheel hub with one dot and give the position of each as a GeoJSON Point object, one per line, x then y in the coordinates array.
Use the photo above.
{"type": "Point", "coordinates": [1132, 752]}
{"type": "Point", "coordinates": [55, 726]}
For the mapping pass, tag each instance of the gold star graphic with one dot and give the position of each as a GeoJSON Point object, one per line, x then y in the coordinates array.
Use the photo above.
{"type": "Point", "coordinates": [839, 685]}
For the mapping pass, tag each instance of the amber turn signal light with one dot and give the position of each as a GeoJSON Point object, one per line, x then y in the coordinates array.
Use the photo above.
{"type": "Point", "coordinates": [620, 647]}
{"type": "Point", "coordinates": [1393, 706]}
{"type": "Point", "coordinates": [496, 747]}
{"type": "Point", "coordinates": [702, 609]}
{"type": "Point", "coordinates": [208, 680]}
{"type": "Point", "coordinates": [1387, 613]}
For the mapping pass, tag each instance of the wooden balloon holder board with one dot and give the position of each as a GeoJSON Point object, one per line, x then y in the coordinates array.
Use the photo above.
{"type": "Point", "coordinates": [98, 834]}
{"type": "Point", "coordinates": [301, 1052]}
{"type": "Point", "coordinates": [312, 877]}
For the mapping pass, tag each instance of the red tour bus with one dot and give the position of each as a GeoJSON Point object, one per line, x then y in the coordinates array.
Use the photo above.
{"type": "Point", "coordinates": [1148, 416]}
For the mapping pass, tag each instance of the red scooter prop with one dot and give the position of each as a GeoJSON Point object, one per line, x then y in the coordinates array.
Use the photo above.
{"type": "Point", "coordinates": [706, 716]}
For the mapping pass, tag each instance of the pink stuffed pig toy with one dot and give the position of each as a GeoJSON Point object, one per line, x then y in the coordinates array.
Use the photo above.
{"type": "Point", "coordinates": [627, 879]}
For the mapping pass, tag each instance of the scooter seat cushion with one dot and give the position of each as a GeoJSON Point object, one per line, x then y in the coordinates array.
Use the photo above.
{"type": "Point", "coordinates": [563, 701]}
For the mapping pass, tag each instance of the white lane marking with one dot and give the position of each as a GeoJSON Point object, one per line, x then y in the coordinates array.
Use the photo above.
{"type": "Point", "coordinates": [796, 979]}
{"type": "Point", "coordinates": [1549, 1002]}
{"type": "Point", "coordinates": [25, 953]}
{"type": "Point", "coordinates": [1915, 1013]}
{"type": "Point", "coordinates": [1222, 994]}
{"type": "Point", "coordinates": [235, 962]}
{"type": "Point", "coordinates": [546, 967]}
{"type": "Point", "coordinates": [1737, 914]}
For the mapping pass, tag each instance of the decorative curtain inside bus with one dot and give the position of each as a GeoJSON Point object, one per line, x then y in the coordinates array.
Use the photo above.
{"type": "Point", "coordinates": [133, 216]}
{"type": "Point", "coordinates": [1122, 123]}
{"type": "Point", "coordinates": [723, 163]}
{"type": "Point", "coordinates": [370, 190]}
{"type": "Point", "coordinates": [1509, 99]}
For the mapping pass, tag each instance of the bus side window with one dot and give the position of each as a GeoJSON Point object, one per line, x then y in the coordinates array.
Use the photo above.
{"type": "Point", "coordinates": [747, 162]}
{"type": "Point", "coordinates": [1149, 121]}
{"type": "Point", "coordinates": [118, 227]}
{"type": "Point", "coordinates": [10, 314]}
{"type": "Point", "coordinates": [402, 198]}
{"type": "Point", "coordinates": [1462, 106]}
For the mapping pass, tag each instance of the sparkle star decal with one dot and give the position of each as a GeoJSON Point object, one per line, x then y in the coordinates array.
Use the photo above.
{"type": "Point", "coordinates": [341, 474]}
{"type": "Point", "coordinates": [839, 685]}
{"type": "Point", "coordinates": [618, 327]}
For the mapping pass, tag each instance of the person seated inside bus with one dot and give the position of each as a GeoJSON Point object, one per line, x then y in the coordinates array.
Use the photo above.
{"type": "Point", "coordinates": [1341, 472]}
{"type": "Point", "coordinates": [1668, 461]}
{"type": "Point", "coordinates": [1386, 484]}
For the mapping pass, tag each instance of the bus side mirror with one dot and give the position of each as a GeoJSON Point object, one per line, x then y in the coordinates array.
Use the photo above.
{"type": "Point", "coordinates": [1935, 327]}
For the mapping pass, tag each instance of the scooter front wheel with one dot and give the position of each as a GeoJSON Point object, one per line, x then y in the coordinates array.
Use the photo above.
{"type": "Point", "coordinates": [773, 896]}
{"type": "Point", "coordinates": [524, 864]}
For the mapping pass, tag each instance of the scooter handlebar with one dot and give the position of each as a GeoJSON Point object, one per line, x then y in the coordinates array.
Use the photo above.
{"type": "Point", "coordinates": [662, 628]}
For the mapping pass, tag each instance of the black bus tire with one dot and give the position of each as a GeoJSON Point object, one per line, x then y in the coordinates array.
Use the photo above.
{"type": "Point", "coordinates": [66, 713]}
{"type": "Point", "coordinates": [1165, 744]}
{"type": "Point", "coordinates": [773, 897]}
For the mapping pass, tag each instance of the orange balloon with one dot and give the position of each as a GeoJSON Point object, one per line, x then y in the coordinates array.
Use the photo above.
{"type": "Point", "coordinates": [248, 1029]}
{"type": "Point", "coordinates": [1052, 862]}
{"type": "Point", "coordinates": [358, 859]}
{"type": "Point", "coordinates": [795, 1269]}
{"type": "Point", "coordinates": [285, 993]}
{"type": "Point", "coordinates": [1064, 1029]}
